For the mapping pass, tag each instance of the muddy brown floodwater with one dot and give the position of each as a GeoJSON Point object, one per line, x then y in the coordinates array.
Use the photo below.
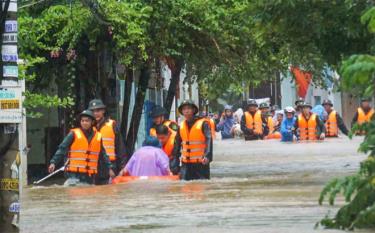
{"type": "Point", "coordinates": [259, 186]}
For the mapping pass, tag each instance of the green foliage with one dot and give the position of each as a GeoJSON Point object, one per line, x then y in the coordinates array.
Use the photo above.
{"type": "Point", "coordinates": [225, 42]}
{"type": "Point", "coordinates": [25, 68]}
{"type": "Point", "coordinates": [54, 28]}
{"type": "Point", "coordinates": [130, 21]}
{"type": "Point", "coordinates": [358, 73]}
{"type": "Point", "coordinates": [310, 34]}
{"type": "Point", "coordinates": [34, 102]}
{"type": "Point", "coordinates": [359, 193]}
{"type": "Point", "coordinates": [47, 36]}
{"type": "Point", "coordinates": [254, 40]}
{"type": "Point", "coordinates": [369, 18]}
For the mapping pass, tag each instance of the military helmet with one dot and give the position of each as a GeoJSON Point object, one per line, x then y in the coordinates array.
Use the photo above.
{"type": "Point", "coordinates": [264, 105]}
{"type": "Point", "coordinates": [96, 104]}
{"type": "Point", "coordinates": [252, 102]}
{"type": "Point", "coordinates": [87, 113]}
{"type": "Point", "coordinates": [190, 103]}
{"type": "Point", "coordinates": [305, 104]}
{"type": "Point", "coordinates": [158, 111]}
{"type": "Point", "coordinates": [299, 102]}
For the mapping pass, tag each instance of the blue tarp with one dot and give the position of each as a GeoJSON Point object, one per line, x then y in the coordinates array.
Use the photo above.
{"type": "Point", "coordinates": [319, 110]}
{"type": "Point", "coordinates": [148, 106]}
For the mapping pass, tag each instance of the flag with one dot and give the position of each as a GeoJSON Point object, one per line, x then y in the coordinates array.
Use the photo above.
{"type": "Point", "coordinates": [303, 80]}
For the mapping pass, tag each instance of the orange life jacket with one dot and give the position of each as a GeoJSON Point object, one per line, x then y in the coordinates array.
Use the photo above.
{"type": "Point", "coordinates": [270, 125]}
{"type": "Point", "coordinates": [168, 147]}
{"type": "Point", "coordinates": [108, 138]}
{"type": "Point", "coordinates": [83, 156]}
{"type": "Point", "coordinates": [363, 117]}
{"type": "Point", "coordinates": [307, 128]}
{"type": "Point", "coordinates": [193, 142]}
{"type": "Point", "coordinates": [166, 123]}
{"type": "Point", "coordinates": [331, 125]}
{"type": "Point", "coordinates": [255, 123]}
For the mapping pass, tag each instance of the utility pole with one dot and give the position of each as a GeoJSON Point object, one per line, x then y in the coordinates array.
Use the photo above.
{"type": "Point", "coordinates": [12, 121]}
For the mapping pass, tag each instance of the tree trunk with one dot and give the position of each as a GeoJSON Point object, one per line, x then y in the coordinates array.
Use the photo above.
{"type": "Point", "coordinates": [175, 80]}
{"type": "Point", "coordinates": [138, 109]}
{"type": "Point", "coordinates": [126, 102]}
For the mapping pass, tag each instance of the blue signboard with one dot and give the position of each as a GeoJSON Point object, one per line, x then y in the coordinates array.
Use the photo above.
{"type": "Point", "coordinates": [9, 53]}
{"type": "Point", "coordinates": [9, 57]}
{"type": "Point", "coordinates": [11, 26]}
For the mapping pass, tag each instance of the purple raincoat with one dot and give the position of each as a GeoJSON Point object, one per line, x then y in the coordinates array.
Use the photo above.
{"type": "Point", "coordinates": [148, 161]}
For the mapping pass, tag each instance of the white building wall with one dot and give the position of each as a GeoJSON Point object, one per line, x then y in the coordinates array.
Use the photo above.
{"type": "Point", "coordinates": [183, 91]}
{"type": "Point", "coordinates": [288, 91]}
{"type": "Point", "coordinates": [337, 102]}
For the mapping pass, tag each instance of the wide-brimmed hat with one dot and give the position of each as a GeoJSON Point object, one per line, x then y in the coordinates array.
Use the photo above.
{"type": "Point", "coordinates": [158, 111]}
{"type": "Point", "coordinates": [264, 105]}
{"type": "Point", "coordinates": [188, 103]}
{"type": "Point", "coordinates": [87, 113]}
{"type": "Point", "coordinates": [251, 102]}
{"type": "Point", "coordinates": [299, 102]}
{"type": "Point", "coordinates": [96, 104]}
{"type": "Point", "coordinates": [304, 104]}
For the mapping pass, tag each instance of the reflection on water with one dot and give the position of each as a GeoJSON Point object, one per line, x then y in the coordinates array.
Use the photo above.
{"type": "Point", "coordinates": [257, 186]}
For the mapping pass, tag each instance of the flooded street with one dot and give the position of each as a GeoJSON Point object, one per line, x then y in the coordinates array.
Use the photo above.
{"type": "Point", "coordinates": [259, 186]}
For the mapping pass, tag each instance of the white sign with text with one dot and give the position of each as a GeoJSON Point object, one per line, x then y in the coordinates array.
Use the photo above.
{"type": "Point", "coordinates": [10, 104]}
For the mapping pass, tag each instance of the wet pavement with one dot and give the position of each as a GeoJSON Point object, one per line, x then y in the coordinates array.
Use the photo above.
{"type": "Point", "coordinates": [257, 186]}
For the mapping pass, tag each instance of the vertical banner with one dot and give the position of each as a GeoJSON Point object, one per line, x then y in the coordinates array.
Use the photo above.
{"type": "Point", "coordinates": [12, 123]}
{"type": "Point", "coordinates": [302, 79]}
